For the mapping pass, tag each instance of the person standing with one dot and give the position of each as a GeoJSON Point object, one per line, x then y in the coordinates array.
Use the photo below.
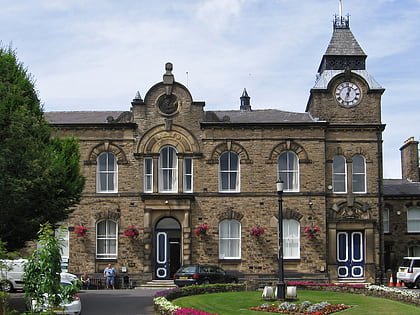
{"type": "Point", "coordinates": [110, 273]}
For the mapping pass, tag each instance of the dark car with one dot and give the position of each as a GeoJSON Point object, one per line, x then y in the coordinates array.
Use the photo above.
{"type": "Point", "coordinates": [202, 274]}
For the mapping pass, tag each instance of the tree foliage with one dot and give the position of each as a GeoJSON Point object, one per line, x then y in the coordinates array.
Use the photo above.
{"type": "Point", "coordinates": [42, 272]}
{"type": "Point", "coordinates": [40, 177]}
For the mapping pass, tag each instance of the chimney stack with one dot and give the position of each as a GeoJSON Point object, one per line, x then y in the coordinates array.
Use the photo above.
{"type": "Point", "coordinates": [410, 160]}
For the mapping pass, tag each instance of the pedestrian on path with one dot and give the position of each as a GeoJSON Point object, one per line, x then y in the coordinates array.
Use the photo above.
{"type": "Point", "coordinates": [110, 273]}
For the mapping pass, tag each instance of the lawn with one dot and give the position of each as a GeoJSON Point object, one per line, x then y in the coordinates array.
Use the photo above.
{"type": "Point", "coordinates": [234, 303]}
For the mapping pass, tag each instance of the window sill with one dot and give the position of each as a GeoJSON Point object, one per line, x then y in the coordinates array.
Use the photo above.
{"type": "Point", "coordinates": [233, 260]}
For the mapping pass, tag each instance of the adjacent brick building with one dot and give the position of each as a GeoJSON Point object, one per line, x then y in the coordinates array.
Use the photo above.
{"type": "Point", "coordinates": [167, 166]}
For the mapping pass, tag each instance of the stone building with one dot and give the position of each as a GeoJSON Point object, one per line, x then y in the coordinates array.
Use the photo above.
{"type": "Point", "coordinates": [402, 209]}
{"type": "Point", "coordinates": [168, 167]}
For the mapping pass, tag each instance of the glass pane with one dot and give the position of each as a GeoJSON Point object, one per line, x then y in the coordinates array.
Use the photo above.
{"type": "Point", "coordinates": [234, 229]}
{"type": "Point", "coordinates": [111, 162]}
{"type": "Point", "coordinates": [102, 162]}
{"type": "Point", "coordinates": [224, 177]}
{"type": "Point", "coordinates": [233, 177]}
{"type": "Point", "coordinates": [339, 183]}
{"type": "Point", "coordinates": [234, 248]}
{"type": "Point", "coordinates": [338, 164]}
{"type": "Point", "coordinates": [102, 181]}
{"type": "Point", "coordinates": [100, 246]}
{"type": "Point", "coordinates": [111, 186]}
{"type": "Point", "coordinates": [233, 161]}
{"type": "Point", "coordinates": [171, 158]}
{"type": "Point", "coordinates": [223, 163]}
{"type": "Point", "coordinates": [148, 166]}
{"type": "Point", "coordinates": [358, 182]}
{"type": "Point", "coordinates": [282, 162]}
{"type": "Point", "coordinates": [111, 228]}
{"type": "Point", "coordinates": [224, 229]}
{"type": "Point", "coordinates": [188, 166]}
{"type": "Point", "coordinates": [358, 164]}
{"type": "Point", "coordinates": [164, 157]}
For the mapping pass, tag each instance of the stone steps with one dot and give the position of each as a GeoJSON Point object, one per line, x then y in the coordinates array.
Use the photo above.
{"type": "Point", "coordinates": [157, 284]}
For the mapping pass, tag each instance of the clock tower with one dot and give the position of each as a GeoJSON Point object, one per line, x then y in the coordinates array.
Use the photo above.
{"type": "Point", "coordinates": [344, 91]}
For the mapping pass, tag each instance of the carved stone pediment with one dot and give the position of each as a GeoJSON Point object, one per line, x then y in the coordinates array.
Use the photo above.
{"type": "Point", "coordinates": [350, 210]}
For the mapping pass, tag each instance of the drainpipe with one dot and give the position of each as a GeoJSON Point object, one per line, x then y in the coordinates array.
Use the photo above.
{"type": "Point", "coordinates": [380, 202]}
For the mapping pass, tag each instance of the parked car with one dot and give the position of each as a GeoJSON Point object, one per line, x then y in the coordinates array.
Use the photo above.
{"type": "Point", "coordinates": [11, 275]}
{"type": "Point", "coordinates": [202, 274]}
{"type": "Point", "coordinates": [70, 307]}
{"type": "Point", "coordinates": [409, 272]}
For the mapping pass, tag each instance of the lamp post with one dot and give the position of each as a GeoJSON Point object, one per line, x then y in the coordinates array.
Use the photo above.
{"type": "Point", "coordinates": [281, 295]}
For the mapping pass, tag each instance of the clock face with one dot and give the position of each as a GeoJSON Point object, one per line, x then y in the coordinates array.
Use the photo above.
{"type": "Point", "coordinates": [348, 94]}
{"type": "Point", "coordinates": [168, 104]}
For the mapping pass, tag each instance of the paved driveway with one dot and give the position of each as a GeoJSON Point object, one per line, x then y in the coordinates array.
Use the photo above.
{"type": "Point", "coordinates": [107, 302]}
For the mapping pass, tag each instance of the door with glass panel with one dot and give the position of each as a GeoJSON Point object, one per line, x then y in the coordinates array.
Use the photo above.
{"type": "Point", "coordinates": [167, 248]}
{"type": "Point", "coordinates": [350, 254]}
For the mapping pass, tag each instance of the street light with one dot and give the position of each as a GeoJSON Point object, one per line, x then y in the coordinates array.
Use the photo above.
{"type": "Point", "coordinates": [280, 286]}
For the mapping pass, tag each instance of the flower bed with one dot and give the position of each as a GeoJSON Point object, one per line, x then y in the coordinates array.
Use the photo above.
{"type": "Point", "coordinates": [306, 308]}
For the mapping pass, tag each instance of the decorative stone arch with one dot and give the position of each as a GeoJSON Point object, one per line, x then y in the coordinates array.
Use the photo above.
{"type": "Point", "coordinates": [350, 210]}
{"type": "Point", "coordinates": [229, 146]}
{"type": "Point", "coordinates": [107, 146]}
{"type": "Point", "coordinates": [288, 145]}
{"type": "Point", "coordinates": [178, 137]}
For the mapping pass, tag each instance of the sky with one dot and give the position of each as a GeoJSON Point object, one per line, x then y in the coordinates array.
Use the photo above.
{"type": "Point", "coordinates": [96, 54]}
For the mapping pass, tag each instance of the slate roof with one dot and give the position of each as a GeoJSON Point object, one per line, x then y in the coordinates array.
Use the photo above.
{"type": "Point", "coordinates": [257, 116]}
{"type": "Point", "coordinates": [229, 116]}
{"type": "Point", "coordinates": [80, 117]}
{"type": "Point", "coordinates": [343, 43]}
{"type": "Point", "coordinates": [401, 187]}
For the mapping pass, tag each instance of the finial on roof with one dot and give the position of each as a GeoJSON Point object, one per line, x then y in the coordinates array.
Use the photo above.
{"type": "Point", "coordinates": [168, 78]}
{"type": "Point", "coordinates": [137, 100]}
{"type": "Point", "coordinates": [339, 20]}
{"type": "Point", "coordinates": [245, 102]}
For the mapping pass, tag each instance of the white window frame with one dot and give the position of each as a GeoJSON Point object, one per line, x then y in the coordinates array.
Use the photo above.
{"type": "Point", "coordinates": [413, 251]}
{"type": "Point", "coordinates": [359, 174]}
{"type": "Point", "coordinates": [341, 175]}
{"type": "Point", "coordinates": [385, 218]}
{"type": "Point", "coordinates": [290, 174]}
{"type": "Point", "coordinates": [108, 173]}
{"type": "Point", "coordinates": [229, 239]}
{"type": "Point", "coordinates": [168, 174]}
{"type": "Point", "coordinates": [188, 176]}
{"type": "Point", "coordinates": [148, 175]}
{"type": "Point", "coordinates": [108, 238]}
{"type": "Point", "coordinates": [226, 170]}
{"type": "Point", "coordinates": [413, 220]}
{"type": "Point", "coordinates": [291, 239]}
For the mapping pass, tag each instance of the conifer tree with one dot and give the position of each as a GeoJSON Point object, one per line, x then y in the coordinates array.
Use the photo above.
{"type": "Point", "coordinates": [40, 177]}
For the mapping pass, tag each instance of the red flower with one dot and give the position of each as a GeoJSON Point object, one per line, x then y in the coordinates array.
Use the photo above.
{"type": "Point", "coordinates": [80, 231]}
{"type": "Point", "coordinates": [131, 231]}
{"type": "Point", "coordinates": [202, 229]}
{"type": "Point", "coordinates": [257, 231]}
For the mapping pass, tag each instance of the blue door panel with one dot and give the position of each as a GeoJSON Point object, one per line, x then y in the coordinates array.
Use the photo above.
{"type": "Point", "coordinates": [350, 254]}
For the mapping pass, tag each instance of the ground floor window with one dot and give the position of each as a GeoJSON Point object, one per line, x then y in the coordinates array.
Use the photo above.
{"type": "Point", "coordinates": [106, 239]}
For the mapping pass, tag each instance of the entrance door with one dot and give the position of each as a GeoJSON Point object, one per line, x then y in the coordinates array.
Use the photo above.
{"type": "Point", "coordinates": [168, 248]}
{"type": "Point", "coordinates": [350, 254]}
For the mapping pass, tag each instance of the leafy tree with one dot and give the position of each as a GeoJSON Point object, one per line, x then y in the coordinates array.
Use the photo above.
{"type": "Point", "coordinates": [40, 177]}
{"type": "Point", "coordinates": [42, 273]}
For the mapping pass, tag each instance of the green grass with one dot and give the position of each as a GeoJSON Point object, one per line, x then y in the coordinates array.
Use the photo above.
{"type": "Point", "coordinates": [234, 303]}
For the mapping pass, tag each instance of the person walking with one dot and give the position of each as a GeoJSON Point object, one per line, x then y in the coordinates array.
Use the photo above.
{"type": "Point", "coordinates": [110, 273]}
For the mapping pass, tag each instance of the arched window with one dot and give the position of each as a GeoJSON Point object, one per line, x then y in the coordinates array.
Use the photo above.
{"type": "Point", "coordinates": [106, 174]}
{"type": "Point", "coordinates": [359, 174]}
{"type": "Point", "coordinates": [229, 239]}
{"type": "Point", "coordinates": [288, 170]}
{"type": "Point", "coordinates": [339, 174]}
{"type": "Point", "coordinates": [168, 170]}
{"type": "Point", "coordinates": [229, 172]}
{"type": "Point", "coordinates": [291, 239]}
{"type": "Point", "coordinates": [413, 220]}
{"type": "Point", "coordinates": [106, 239]}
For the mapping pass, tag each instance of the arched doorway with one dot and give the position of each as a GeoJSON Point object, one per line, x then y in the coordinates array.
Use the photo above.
{"type": "Point", "coordinates": [168, 248]}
